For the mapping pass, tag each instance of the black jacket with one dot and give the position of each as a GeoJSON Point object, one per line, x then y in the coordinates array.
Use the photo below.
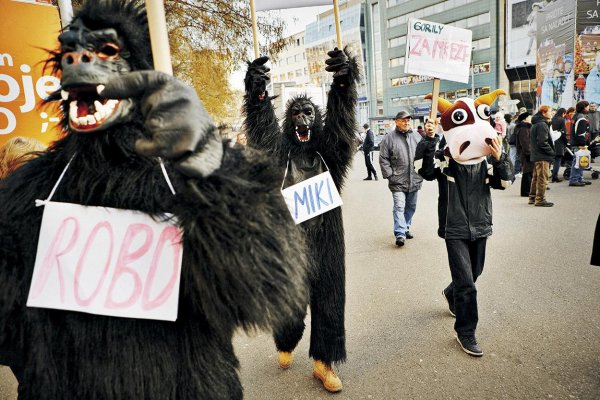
{"type": "Point", "coordinates": [580, 130]}
{"type": "Point", "coordinates": [369, 142]}
{"type": "Point", "coordinates": [466, 207]}
{"type": "Point", "coordinates": [542, 146]}
{"type": "Point", "coordinates": [559, 124]}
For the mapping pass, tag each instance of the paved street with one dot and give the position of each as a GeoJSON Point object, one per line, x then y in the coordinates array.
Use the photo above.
{"type": "Point", "coordinates": [539, 304]}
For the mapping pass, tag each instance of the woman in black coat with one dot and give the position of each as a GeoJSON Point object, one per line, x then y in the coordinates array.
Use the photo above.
{"type": "Point", "coordinates": [522, 133]}
{"type": "Point", "coordinates": [559, 124]}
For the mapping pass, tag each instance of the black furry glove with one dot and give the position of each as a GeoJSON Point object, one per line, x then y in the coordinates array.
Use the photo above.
{"type": "Point", "coordinates": [343, 66]}
{"type": "Point", "coordinates": [256, 78]}
{"type": "Point", "coordinates": [180, 128]}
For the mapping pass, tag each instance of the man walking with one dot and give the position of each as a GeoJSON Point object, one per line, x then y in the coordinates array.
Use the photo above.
{"type": "Point", "coordinates": [542, 154]}
{"type": "Point", "coordinates": [396, 158]}
{"type": "Point", "coordinates": [368, 146]}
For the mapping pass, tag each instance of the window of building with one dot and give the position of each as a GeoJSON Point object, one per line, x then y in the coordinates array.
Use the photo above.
{"type": "Point", "coordinates": [298, 42]}
{"type": "Point", "coordinates": [298, 73]}
{"type": "Point", "coordinates": [396, 62]}
{"type": "Point", "coordinates": [290, 75]}
{"type": "Point", "coordinates": [282, 77]}
{"type": "Point", "coordinates": [397, 41]}
{"type": "Point", "coordinates": [481, 44]}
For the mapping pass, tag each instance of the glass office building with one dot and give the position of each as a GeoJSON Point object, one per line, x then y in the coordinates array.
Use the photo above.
{"type": "Point", "coordinates": [390, 89]}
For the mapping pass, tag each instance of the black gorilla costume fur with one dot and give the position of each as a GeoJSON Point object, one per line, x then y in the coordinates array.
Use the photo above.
{"type": "Point", "coordinates": [243, 263]}
{"type": "Point", "coordinates": [303, 135]}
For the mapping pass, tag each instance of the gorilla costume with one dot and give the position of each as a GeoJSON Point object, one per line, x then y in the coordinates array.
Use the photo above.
{"type": "Point", "coordinates": [243, 263]}
{"type": "Point", "coordinates": [301, 141]}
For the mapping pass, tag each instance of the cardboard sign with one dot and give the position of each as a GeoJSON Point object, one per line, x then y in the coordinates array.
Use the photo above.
{"type": "Point", "coordinates": [107, 261]}
{"type": "Point", "coordinates": [312, 197]}
{"type": "Point", "coordinates": [27, 30]}
{"type": "Point", "coordinates": [438, 50]}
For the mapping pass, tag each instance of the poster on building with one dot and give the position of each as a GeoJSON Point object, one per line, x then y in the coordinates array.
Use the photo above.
{"type": "Point", "coordinates": [521, 28]}
{"type": "Point", "coordinates": [587, 51]}
{"type": "Point", "coordinates": [438, 50]}
{"type": "Point", "coordinates": [554, 64]}
{"type": "Point", "coordinates": [27, 30]}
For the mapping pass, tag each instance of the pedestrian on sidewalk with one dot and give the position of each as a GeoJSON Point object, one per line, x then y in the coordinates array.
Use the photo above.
{"type": "Point", "coordinates": [472, 163]}
{"type": "Point", "coordinates": [580, 135]}
{"type": "Point", "coordinates": [368, 147]}
{"type": "Point", "coordinates": [559, 124]}
{"type": "Point", "coordinates": [396, 159]}
{"type": "Point", "coordinates": [523, 140]}
{"type": "Point", "coordinates": [542, 154]}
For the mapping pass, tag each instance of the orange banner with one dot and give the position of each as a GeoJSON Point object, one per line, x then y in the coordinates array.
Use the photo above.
{"type": "Point", "coordinates": [27, 31]}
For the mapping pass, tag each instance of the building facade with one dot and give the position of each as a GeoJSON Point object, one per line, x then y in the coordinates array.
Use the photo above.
{"type": "Point", "coordinates": [390, 89]}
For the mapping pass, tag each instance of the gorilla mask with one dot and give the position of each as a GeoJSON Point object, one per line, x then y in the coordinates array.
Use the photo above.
{"type": "Point", "coordinates": [93, 49]}
{"type": "Point", "coordinates": [466, 127]}
{"type": "Point", "coordinates": [303, 114]}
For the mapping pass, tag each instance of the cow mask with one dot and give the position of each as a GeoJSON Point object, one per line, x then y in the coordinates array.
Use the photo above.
{"type": "Point", "coordinates": [467, 128]}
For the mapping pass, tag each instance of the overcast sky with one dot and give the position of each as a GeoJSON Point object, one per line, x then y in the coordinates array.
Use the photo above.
{"type": "Point", "coordinates": [296, 20]}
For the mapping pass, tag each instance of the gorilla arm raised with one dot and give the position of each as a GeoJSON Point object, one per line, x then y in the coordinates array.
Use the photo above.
{"type": "Point", "coordinates": [340, 120]}
{"type": "Point", "coordinates": [261, 123]}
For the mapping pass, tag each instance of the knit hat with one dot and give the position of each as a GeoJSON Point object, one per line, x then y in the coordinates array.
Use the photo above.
{"type": "Point", "coordinates": [522, 116]}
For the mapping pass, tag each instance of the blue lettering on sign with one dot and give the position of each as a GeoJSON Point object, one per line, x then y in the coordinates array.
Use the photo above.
{"type": "Point", "coordinates": [314, 200]}
{"type": "Point", "coordinates": [302, 200]}
{"type": "Point", "coordinates": [318, 189]}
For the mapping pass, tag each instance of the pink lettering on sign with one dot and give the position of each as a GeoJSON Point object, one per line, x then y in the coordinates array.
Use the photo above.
{"type": "Point", "coordinates": [170, 235]}
{"type": "Point", "coordinates": [79, 269]}
{"type": "Point", "coordinates": [125, 258]}
{"type": "Point", "coordinates": [52, 257]}
{"type": "Point", "coordinates": [438, 49]}
{"type": "Point", "coordinates": [142, 277]}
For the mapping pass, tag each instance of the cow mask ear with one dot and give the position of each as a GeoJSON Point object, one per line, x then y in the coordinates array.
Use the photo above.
{"type": "Point", "coordinates": [489, 98]}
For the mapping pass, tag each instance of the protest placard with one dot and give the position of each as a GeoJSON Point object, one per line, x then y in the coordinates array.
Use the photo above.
{"type": "Point", "coordinates": [106, 261]}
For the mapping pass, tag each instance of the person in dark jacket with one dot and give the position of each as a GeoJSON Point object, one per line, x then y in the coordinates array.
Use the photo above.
{"type": "Point", "coordinates": [542, 154]}
{"type": "Point", "coordinates": [472, 162]}
{"type": "Point", "coordinates": [523, 140]}
{"type": "Point", "coordinates": [559, 124]}
{"type": "Point", "coordinates": [580, 135]}
{"type": "Point", "coordinates": [368, 147]}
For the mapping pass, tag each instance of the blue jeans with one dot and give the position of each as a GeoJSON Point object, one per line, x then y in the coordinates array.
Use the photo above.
{"type": "Point", "coordinates": [405, 204]}
{"type": "Point", "coordinates": [516, 161]}
{"type": "Point", "coordinates": [576, 173]}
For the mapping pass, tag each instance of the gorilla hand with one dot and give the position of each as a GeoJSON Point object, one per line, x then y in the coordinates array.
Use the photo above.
{"type": "Point", "coordinates": [256, 78]}
{"type": "Point", "coordinates": [343, 65]}
{"type": "Point", "coordinates": [180, 128]}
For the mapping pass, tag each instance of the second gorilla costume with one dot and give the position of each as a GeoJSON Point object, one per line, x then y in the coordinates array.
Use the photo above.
{"type": "Point", "coordinates": [243, 258]}
{"type": "Point", "coordinates": [312, 146]}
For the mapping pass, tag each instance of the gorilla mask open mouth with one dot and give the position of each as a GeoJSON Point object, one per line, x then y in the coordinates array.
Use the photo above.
{"type": "Point", "coordinates": [87, 111]}
{"type": "Point", "coordinates": [303, 133]}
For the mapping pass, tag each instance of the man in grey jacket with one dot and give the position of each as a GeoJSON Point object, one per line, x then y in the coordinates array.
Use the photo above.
{"type": "Point", "coordinates": [396, 158]}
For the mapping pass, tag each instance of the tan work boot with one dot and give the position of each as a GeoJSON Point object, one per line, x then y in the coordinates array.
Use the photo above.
{"type": "Point", "coordinates": [285, 359]}
{"type": "Point", "coordinates": [327, 375]}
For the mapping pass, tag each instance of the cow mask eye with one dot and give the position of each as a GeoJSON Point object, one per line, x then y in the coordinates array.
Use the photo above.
{"type": "Point", "coordinates": [483, 111]}
{"type": "Point", "coordinates": [459, 116]}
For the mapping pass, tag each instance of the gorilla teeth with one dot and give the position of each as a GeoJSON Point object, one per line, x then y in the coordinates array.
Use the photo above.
{"type": "Point", "coordinates": [64, 95]}
{"type": "Point", "coordinates": [99, 89]}
{"type": "Point", "coordinates": [101, 112]}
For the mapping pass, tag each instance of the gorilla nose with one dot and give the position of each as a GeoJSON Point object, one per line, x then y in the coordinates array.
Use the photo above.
{"type": "Point", "coordinates": [78, 57]}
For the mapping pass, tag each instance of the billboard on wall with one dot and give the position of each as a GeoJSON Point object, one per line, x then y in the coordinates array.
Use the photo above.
{"type": "Point", "coordinates": [587, 51]}
{"type": "Point", "coordinates": [554, 64]}
{"type": "Point", "coordinates": [27, 30]}
{"type": "Point", "coordinates": [521, 28]}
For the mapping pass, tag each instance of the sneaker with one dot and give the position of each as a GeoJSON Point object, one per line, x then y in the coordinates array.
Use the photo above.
{"type": "Point", "coordinates": [376, 178]}
{"type": "Point", "coordinates": [469, 345]}
{"type": "Point", "coordinates": [368, 179]}
{"type": "Point", "coordinates": [587, 182]}
{"type": "Point", "coordinates": [531, 201]}
{"type": "Point", "coordinates": [556, 180]}
{"type": "Point", "coordinates": [399, 241]}
{"type": "Point", "coordinates": [409, 235]}
{"type": "Point", "coordinates": [450, 303]}
{"type": "Point", "coordinates": [576, 184]}
{"type": "Point", "coordinates": [544, 204]}
{"type": "Point", "coordinates": [285, 359]}
{"type": "Point", "coordinates": [326, 374]}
